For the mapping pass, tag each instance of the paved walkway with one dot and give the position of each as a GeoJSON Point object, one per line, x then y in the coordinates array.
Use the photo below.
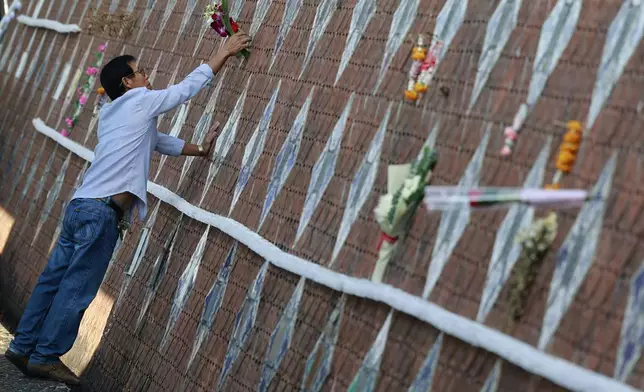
{"type": "Point", "coordinates": [12, 380]}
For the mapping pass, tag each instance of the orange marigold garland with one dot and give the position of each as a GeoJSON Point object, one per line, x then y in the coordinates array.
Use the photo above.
{"type": "Point", "coordinates": [423, 66]}
{"type": "Point", "coordinates": [418, 55]}
{"type": "Point", "coordinates": [568, 151]}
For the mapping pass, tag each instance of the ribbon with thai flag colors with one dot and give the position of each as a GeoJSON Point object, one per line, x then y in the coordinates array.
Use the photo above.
{"type": "Point", "coordinates": [444, 198]}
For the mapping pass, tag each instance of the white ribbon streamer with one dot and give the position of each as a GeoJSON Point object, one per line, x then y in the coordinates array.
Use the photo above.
{"type": "Point", "coordinates": [49, 24]}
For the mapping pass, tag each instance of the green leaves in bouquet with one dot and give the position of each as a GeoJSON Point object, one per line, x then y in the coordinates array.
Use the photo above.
{"type": "Point", "coordinates": [422, 167]}
{"type": "Point", "coordinates": [229, 28]}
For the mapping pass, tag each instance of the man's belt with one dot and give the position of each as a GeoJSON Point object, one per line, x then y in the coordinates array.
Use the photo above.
{"type": "Point", "coordinates": [112, 204]}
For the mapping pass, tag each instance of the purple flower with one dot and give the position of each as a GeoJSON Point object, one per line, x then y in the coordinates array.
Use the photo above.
{"type": "Point", "coordinates": [69, 122]}
{"type": "Point", "coordinates": [82, 100]}
{"type": "Point", "coordinates": [64, 132]}
{"type": "Point", "coordinates": [102, 47]}
{"type": "Point", "coordinates": [91, 71]}
{"type": "Point", "coordinates": [218, 26]}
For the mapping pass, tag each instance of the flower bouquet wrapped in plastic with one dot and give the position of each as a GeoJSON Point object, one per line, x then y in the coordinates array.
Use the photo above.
{"type": "Point", "coordinates": [395, 210]}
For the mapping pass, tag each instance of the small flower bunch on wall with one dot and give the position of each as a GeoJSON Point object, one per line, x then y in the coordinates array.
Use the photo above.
{"type": "Point", "coordinates": [219, 19]}
{"type": "Point", "coordinates": [83, 91]}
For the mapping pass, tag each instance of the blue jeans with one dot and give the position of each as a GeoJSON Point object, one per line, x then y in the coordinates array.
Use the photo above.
{"type": "Point", "coordinates": [69, 283]}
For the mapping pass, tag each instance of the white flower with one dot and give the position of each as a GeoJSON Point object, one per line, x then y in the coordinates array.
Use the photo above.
{"type": "Point", "coordinates": [383, 208]}
{"type": "Point", "coordinates": [410, 186]}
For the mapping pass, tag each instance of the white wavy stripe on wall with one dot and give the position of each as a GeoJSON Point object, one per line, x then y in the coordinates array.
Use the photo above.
{"type": "Point", "coordinates": [557, 370]}
{"type": "Point", "coordinates": [48, 24]}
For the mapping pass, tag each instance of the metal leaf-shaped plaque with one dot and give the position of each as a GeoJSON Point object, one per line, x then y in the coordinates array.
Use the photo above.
{"type": "Point", "coordinates": [362, 14]}
{"type": "Point", "coordinates": [291, 9]}
{"type": "Point", "coordinates": [169, 7]}
{"type": "Point", "coordinates": [318, 364]}
{"type": "Point", "coordinates": [623, 37]}
{"type": "Point", "coordinates": [454, 222]}
{"type": "Point", "coordinates": [184, 287]}
{"type": "Point", "coordinates": [576, 255]}
{"type": "Point", "coordinates": [40, 186]}
{"type": "Point", "coordinates": [261, 9]}
{"type": "Point", "coordinates": [554, 39]}
{"type": "Point", "coordinates": [151, 5]}
{"type": "Point", "coordinates": [502, 23]}
{"type": "Point", "coordinates": [492, 381]}
{"type": "Point", "coordinates": [367, 376]}
{"type": "Point", "coordinates": [361, 185]}
{"type": "Point", "coordinates": [425, 377]}
{"type": "Point", "coordinates": [23, 165]}
{"type": "Point", "coordinates": [202, 127]}
{"type": "Point", "coordinates": [187, 14]}
{"type": "Point", "coordinates": [52, 196]}
{"type": "Point", "coordinates": [324, 169]}
{"type": "Point", "coordinates": [286, 158]}
{"type": "Point", "coordinates": [506, 250]}
{"type": "Point", "coordinates": [139, 252]}
{"type": "Point", "coordinates": [632, 336]}
{"type": "Point", "coordinates": [449, 21]}
{"type": "Point", "coordinates": [281, 338]}
{"type": "Point", "coordinates": [244, 323]}
{"type": "Point", "coordinates": [254, 148]}
{"type": "Point", "coordinates": [225, 140]}
{"type": "Point", "coordinates": [323, 16]}
{"type": "Point", "coordinates": [403, 20]}
{"type": "Point", "coordinates": [212, 303]}
{"type": "Point", "coordinates": [179, 120]}
{"type": "Point", "coordinates": [159, 269]}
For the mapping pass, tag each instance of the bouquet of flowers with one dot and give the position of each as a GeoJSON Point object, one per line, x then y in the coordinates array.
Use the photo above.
{"type": "Point", "coordinates": [396, 209]}
{"type": "Point", "coordinates": [535, 242]}
{"type": "Point", "coordinates": [217, 15]}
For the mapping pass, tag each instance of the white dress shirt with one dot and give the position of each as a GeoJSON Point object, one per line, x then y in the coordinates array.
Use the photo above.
{"type": "Point", "coordinates": [127, 135]}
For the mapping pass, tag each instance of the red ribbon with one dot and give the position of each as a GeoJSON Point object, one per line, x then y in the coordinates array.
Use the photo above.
{"type": "Point", "coordinates": [384, 237]}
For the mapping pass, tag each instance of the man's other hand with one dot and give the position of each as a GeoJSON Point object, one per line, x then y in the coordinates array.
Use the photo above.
{"type": "Point", "coordinates": [210, 140]}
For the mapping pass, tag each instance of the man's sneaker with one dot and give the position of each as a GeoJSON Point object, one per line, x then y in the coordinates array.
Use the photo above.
{"type": "Point", "coordinates": [18, 361]}
{"type": "Point", "coordinates": [55, 371]}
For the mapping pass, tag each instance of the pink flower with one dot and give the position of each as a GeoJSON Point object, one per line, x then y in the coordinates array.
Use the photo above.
{"type": "Point", "coordinates": [82, 100]}
{"type": "Point", "coordinates": [102, 47]}
{"type": "Point", "coordinates": [64, 132]}
{"type": "Point", "coordinates": [69, 122]}
{"type": "Point", "coordinates": [511, 134]}
{"type": "Point", "coordinates": [505, 151]}
{"type": "Point", "coordinates": [91, 71]}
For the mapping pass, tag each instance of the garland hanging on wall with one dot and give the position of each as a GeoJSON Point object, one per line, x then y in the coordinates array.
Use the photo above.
{"type": "Point", "coordinates": [83, 90]}
{"type": "Point", "coordinates": [568, 151]}
{"type": "Point", "coordinates": [422, 68]}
